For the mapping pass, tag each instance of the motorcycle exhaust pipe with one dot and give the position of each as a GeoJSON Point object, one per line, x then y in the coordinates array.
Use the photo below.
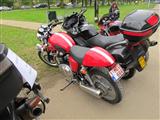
{"type": "Point", "coordinates": [36, 111]}
{"type": "Point", "coordinates": [95, 92]}
{"type": "Point", "coordinates": [36, 107]}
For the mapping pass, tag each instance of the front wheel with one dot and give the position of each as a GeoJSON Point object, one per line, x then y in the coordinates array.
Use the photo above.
{"type": "Point", "coordinates": [48, 58]}
{"type": "Point", "coordinates": [111, 90]}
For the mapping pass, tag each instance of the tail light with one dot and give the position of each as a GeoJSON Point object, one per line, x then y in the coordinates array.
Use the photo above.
{"type": "Point", "coordinates": [153, 20]}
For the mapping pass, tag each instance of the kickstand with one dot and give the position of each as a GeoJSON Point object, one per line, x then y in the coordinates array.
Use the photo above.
{"type": "Point", "coordinates": [67, 85]}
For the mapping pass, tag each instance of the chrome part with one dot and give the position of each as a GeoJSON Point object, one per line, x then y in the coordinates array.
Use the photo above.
{"type": "Point", "coordinates": [41, 29]}
{"type": "Point", "coordinates": [105, 86]}
{"type": "Point", "coordinates": [37, 110]}
{"type": "Point", "coordinates": [39, 36]}
{"type": "Point", "coordinates": [66, 71]}
{"type": "Point", "coordinates": [39, 47]}
{"type": "Point", "coordinates": [95, 92]}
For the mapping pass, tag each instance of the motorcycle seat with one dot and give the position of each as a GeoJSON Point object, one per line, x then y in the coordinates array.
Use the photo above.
{"type": "Point", "coordinates": [104, 41]}
{"type": "Point", "coordinates": [78, 53]}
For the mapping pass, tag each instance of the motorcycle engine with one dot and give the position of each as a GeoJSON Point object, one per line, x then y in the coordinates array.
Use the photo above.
{"type": "Point", "coordinates": [67, 72]}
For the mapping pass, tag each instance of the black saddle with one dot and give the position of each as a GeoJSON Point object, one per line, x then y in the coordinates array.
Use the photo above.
{"type": "Point", "coordinates": [78, 53]}
{"type": "Point", "coordinates": [104, 41]}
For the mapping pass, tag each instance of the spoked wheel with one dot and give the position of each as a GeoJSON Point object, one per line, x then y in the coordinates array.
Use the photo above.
{"type": "Point", "coordinates": [49, 59]}
{"type": "Point", "coordinates": [111, 91]}
{"type": "Point", "coordinates": [129, 74]}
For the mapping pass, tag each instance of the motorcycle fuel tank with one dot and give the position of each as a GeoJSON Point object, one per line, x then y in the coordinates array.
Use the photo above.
{"type": "Point", "coordinates": [61, 41]}
{"type": "Point", "coordinates": [98, 57]}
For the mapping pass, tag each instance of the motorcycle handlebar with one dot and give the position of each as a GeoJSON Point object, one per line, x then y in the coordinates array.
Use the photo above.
{"type": "Point", "coordinates": [50, 25]}
{"type": "Point", "coordinates": [83, 10]}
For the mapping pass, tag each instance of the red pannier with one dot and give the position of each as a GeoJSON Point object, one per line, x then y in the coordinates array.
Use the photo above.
{"type": "Point", "coordinates": [140, 25]}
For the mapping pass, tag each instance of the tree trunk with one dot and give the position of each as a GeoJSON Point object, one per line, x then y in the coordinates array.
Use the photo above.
{"type": "Point", "coordinates": [48, 4]}
{"type": "Point", "coordinates": [61, 3]}
{"type": "Point", "coordinates": [86, 3]}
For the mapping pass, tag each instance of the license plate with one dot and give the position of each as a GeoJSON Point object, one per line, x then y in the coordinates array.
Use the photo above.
{"type": "Point", "coordinates": [116, 73]}
{"type": "Point", "coordinates": [142, 61]}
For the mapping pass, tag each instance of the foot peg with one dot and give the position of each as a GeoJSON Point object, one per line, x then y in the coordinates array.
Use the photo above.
{"type": "Point", "coordinates": [153, 43]}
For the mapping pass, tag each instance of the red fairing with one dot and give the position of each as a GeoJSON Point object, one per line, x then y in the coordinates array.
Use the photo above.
{"type": "Point", "coordinates": [98, 57]}
{"type": "Point", "coordinates": [73, 64]}
{"type": "Point", "coordinates": [62, 40]}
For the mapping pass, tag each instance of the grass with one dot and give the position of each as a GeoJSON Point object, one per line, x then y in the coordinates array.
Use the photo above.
{"type": "Point", "coordinates": [23, 42]}
{"type": "Point", "coordinates": [40, 15]}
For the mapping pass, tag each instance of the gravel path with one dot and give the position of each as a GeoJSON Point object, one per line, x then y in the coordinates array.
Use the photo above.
{"type": "Point", "coordinates": [26, 25]}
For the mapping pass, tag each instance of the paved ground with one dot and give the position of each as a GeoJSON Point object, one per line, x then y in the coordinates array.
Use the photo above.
{"type": "Point", "coordinates": [141, 93]}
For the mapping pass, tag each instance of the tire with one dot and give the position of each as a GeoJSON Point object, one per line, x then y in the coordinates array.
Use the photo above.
{"type": "Point", "coordinates": [129, 74]}
{"type": "Point", "coordinates": [104, 82]}
{"type": "Point", "coordinates": [44, 58]}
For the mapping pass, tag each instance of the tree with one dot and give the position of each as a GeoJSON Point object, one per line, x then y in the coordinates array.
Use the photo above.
{"type": "Point", "coordinates": [8, 3]}
{"type": "Point", "coordinates": [48, 4]}
{"type": "Point", "coordinates": [62, 3]}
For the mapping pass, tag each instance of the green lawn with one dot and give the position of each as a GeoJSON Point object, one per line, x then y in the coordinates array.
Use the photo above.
{"type": "Point", "coordinates": [23, 42]}
{"type": "Point", "coordinates": [40, 15]}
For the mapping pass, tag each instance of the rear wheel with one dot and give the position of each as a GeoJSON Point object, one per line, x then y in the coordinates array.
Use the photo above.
{"type": "Point", "coordinates": [111, 91]}
{"type": "Point", "coordinates": [129, 74]}
{"type": "Point", "coordinates": [48, 58]}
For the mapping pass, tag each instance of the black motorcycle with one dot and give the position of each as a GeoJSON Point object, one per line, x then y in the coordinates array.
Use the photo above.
{"type": "Point", "coordinates": [130, 48]}
{"type": "Point", "coordinates": [109, 24]}
{"type": "Point", "coordinates": [20, 96]}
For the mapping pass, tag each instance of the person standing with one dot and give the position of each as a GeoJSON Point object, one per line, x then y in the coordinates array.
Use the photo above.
{"type": "Point", "coordinates": [114, 11]}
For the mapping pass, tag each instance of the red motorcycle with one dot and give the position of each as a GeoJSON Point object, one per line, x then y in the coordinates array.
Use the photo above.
{"type": "Point", "coordinates": [93, 69]}
{"type": "Point", "coordinates": [109, 24]}
{"type": "Point", "coordinates": [130, 48]}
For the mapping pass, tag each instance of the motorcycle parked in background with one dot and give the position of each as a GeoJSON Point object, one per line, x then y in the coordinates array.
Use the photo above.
{"type": "Point", "coordinates": [93, 69]}
{"type": "Point", "coordinates": [109, 24]}
{"type": "Point", "coordinates": [15, 76]}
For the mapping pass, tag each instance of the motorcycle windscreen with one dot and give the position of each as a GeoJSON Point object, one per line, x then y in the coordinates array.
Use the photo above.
{"type": "Point", "coordinates": [98, 57]}
{"type": "Point", "coordinates": [28, 73]}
